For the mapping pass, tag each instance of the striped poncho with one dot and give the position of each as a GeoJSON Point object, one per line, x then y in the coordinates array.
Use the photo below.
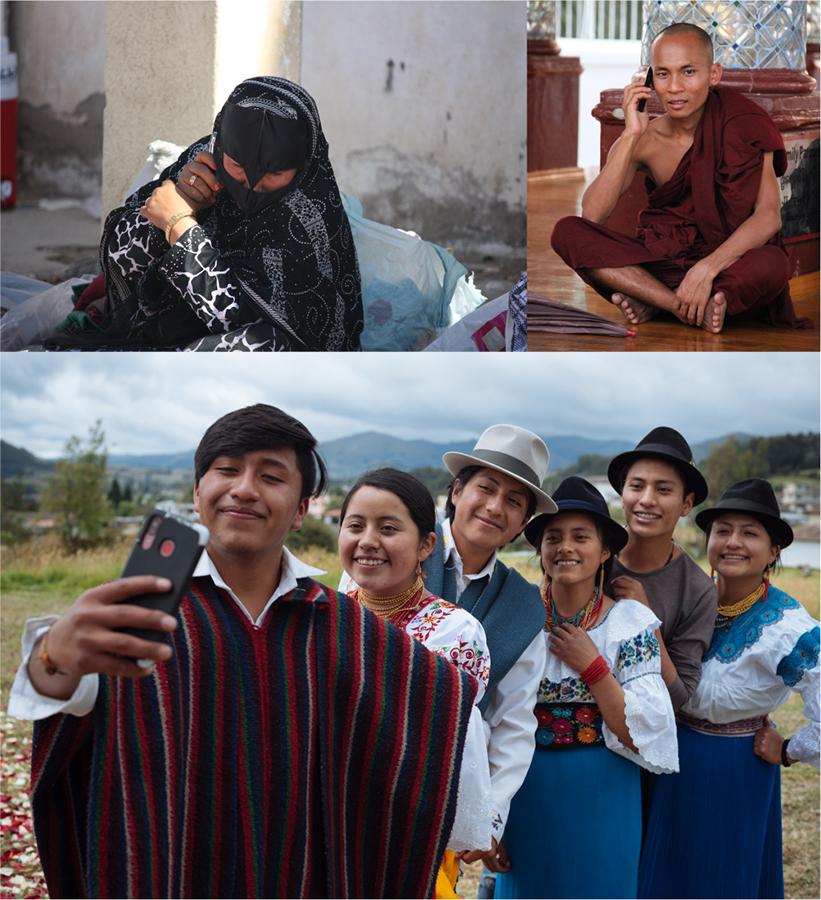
{"type": "Point", "coordinates": [315, 755]}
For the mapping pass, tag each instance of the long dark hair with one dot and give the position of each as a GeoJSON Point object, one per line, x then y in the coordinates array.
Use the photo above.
{"type": "Point", "coordinates": [410, 490]}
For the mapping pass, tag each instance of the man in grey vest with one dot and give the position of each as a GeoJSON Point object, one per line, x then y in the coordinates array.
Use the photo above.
{"type": "Point", "coordinates": [495, 491]}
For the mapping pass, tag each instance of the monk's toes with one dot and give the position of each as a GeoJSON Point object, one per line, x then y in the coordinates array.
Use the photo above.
{"type": "Point", "coordinates": [715, 313]}
{"type": "Point", "coordinates": [620, 301]}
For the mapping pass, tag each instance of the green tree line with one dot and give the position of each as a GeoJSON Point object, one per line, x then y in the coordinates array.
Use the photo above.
{"type": "Point", "coordinates": [83, 500]}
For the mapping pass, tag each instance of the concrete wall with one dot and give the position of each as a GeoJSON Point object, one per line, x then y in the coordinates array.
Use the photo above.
{"type": "Point", "coordinates": [60, 50]}
{"type": "Point", "coordinates": [204, 48]}
{"type": "Point", "coordinates": [423, 105]}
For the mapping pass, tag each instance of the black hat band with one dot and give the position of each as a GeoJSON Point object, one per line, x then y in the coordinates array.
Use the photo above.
{"type": "Point", "coordinates": [508, 464]}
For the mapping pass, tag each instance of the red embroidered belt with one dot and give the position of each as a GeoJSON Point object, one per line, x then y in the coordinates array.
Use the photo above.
{"type": "Point", "coordinates": [725, 729]}
{"type": "Point", "coordinates": [561, 726]}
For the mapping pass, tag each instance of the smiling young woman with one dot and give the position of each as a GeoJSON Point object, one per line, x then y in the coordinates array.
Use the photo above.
{"type": "Point", "coordinates": [765, 645]}
{"type": "Point", "coordinates": [602, 711]}
{"type": "Point", "coordinates": [387, 530]}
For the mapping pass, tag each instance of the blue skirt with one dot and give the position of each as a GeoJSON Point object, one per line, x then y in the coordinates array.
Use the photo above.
{"type": "Point", "coordinates": [714, 829]}
{"type": "Point", "coordinates": [574, 828]}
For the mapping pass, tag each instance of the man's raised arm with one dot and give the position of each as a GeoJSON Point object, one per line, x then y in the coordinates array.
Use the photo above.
{"type": "Point", "coordinates": [601, 197]}
{"type": "Point", "coordinates": [84, 640]}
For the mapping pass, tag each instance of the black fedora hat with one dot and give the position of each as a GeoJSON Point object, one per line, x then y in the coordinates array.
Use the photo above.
{"type": "Point", "coordinates": [575, 494]}
{"type": "Point", "coordinates": [667, 444]}
{"type": "Point", "coordinates": [754, 497]}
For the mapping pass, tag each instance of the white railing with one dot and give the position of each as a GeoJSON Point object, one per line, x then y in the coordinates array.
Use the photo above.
{"type": "Point", "coordinates": [600, 19]}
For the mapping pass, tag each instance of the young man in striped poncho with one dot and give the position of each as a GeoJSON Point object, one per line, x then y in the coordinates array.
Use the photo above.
{"type": "Point", "coordinates": [281, 745]}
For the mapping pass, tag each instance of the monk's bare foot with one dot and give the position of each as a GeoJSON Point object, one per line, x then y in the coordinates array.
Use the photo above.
{"type": "Point", "coordinates": [714, 313]}
{"type": "Point", "coordinates": [634, 310]}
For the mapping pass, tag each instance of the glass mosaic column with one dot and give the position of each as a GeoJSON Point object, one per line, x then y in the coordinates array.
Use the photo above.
{"type": "Point", "coordinates": [761, 45]}
{"type": "Point", "coordinates": [541, 24]}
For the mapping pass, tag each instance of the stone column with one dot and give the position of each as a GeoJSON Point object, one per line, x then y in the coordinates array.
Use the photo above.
{"type": "Point", "coordinates": [762, 47]}
{"type": "Point", "coordinates": [552, 95]}
{"type": "Point", "coordinates": [170, 66]}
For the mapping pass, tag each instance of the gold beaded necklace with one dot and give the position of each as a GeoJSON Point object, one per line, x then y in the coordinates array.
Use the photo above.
{"type": "Point", "coordinates": [388, 606]}
{"type": "Point", "coordinates": [741, 606]}
{"type": "Point", "coordinates": [583, 619]}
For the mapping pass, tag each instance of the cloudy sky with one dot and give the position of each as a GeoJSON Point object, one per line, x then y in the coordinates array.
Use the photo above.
{"type": "Point", "coordinates": [163, 402]}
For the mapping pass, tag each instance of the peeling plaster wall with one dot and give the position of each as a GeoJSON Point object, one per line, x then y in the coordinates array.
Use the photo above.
{"type": "Point", "coordinates": [206, 48]}
{"type": "Point", "coordinates": [60, 50]}
{"type": "Point", "coordinates": [423, 105]}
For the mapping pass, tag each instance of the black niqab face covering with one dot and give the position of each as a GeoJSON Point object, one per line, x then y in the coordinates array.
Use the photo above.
{"type": "Point", "coordinates": [260, 142]}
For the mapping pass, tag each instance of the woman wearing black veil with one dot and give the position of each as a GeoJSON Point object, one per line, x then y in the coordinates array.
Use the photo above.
{"type": "Point", "coordinates": [241, 244]}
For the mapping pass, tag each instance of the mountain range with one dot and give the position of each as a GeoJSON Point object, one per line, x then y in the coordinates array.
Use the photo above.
{"type": "Point", "coordinates": [349, 456]}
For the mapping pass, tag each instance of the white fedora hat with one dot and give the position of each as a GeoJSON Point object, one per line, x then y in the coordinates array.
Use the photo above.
{"type": "Point", "coordinates": [515, 451]}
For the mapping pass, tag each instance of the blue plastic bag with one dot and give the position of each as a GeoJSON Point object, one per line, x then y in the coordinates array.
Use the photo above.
{"type": "Point", "coordinates": [409, 286]}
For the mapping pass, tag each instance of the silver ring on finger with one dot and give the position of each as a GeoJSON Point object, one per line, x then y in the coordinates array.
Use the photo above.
{"type": "Point", "coordinates": [191, 180]}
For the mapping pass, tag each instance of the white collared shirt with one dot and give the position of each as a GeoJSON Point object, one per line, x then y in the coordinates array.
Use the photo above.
{"type": "Point", "coordinates": [510, 720]}
{"type": "Point", "coordinates": [27, 703]}
{"type": "Point", "coordinates": [452, 556]}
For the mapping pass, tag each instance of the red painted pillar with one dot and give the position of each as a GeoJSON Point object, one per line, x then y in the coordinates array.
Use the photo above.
{"type": "Point", "coordinates": [8, 126]}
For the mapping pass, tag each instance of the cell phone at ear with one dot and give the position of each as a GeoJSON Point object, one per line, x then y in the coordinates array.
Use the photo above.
{"type": "Point", "coordinates": [167, 547]}
{"type": "Point", "coordinates": [648, 82]}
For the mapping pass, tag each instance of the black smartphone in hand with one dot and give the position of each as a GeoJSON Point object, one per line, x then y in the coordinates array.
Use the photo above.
{"type": "Point", "coordinates": [648, 82]}
{"type": "Point", "coordinates": [167, 547]}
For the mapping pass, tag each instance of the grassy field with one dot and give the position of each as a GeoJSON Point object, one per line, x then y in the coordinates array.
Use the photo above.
{"type": "Point", "coordinates": [39, 579]}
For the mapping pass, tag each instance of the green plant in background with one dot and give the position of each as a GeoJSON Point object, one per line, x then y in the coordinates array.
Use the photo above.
{"type": "Point", "coordinates": [76, 492]}
{"type": "Point", "coordinates": [13, 501]}
{"type": "Point", "coordinates": [313, 533]}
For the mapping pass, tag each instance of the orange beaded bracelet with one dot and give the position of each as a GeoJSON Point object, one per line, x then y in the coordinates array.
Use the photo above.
{"type": "Point", "coordinates": [48, 665]}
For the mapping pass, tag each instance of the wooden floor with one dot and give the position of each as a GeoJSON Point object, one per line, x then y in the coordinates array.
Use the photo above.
{"type": "Point", "coordinates": [548, 200]}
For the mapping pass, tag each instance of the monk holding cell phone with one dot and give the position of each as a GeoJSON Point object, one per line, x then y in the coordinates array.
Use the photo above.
{"type": "Point", "coordinates": [708, 244]}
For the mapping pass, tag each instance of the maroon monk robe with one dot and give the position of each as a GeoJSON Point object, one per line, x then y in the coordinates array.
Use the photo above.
{"type": "Point", "coordinates": [711, 193]}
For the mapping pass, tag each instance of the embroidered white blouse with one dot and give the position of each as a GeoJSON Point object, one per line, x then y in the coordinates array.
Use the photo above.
{"type": "Point", "coordinates": [625, 638]}
{"type": "Point", "coordinates": [754, 663]}
{"type": "Point", "coordinates": [457, 636]}
{"type": "Point", "coordinates": [509, 721]}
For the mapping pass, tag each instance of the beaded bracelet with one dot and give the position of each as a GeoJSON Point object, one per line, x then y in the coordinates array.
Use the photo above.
{"type": "Point", "coordinates": [173, 221]}
{"type": "Point", "coordinates": [48, 665]}
{"type": "Point", "coordinates": [597, 670]}
{"type": "Point", "coordinates": [785, 760]}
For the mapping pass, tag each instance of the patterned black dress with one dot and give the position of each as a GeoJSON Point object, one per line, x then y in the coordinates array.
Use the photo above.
{"type": "Point", "coordinates": [283, 278]}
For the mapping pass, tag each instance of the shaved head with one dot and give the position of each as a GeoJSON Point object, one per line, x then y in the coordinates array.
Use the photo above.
{"type": "Point", "coordinates": [685, 28]}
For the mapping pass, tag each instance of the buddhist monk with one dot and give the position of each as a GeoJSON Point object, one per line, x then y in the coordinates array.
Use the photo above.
{"type": "Point", "coordinates": [708, 244]}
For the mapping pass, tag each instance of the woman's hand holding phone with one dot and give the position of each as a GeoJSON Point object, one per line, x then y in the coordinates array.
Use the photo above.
{"type": "Point", "coordinates": [198, 181]}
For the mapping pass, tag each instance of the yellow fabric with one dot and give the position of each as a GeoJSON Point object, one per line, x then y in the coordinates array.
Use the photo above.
{"type": "Point", "coordinates": [447, 877]}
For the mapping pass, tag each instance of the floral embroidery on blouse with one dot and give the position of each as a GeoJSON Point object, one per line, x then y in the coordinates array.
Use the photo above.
{"type": "Point", "coordinates": [804, 656]}
{"type": "Point", "coordinates": [637, 649]}
{"type": "Point", "coordinates": [469, 656]}
{"type": "Point", "coordinates": [435, 613]}
{"type": "Point", "coordinates": [567, 690]}
{"type": "Point", "coordinates": [567, 726]}
{"type": "Point", "coordinates": [731, 640]}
